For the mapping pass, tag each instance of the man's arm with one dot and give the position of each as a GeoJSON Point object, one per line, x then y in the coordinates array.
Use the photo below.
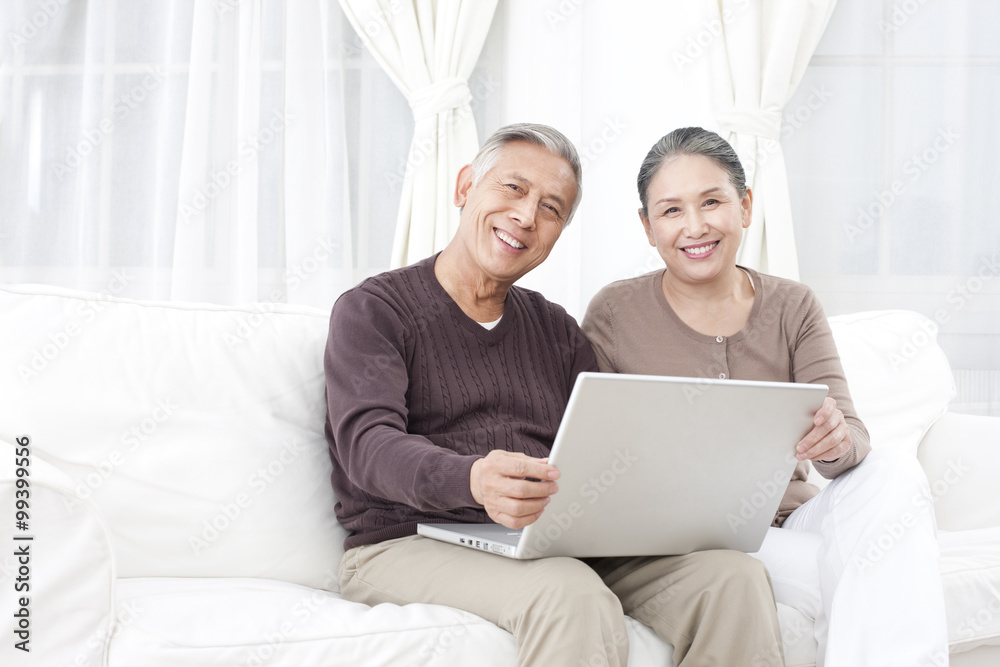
{"type": "Point", "coordinates": [367, 379]}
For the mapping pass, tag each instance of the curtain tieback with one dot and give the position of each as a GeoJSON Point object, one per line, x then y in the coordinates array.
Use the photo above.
{"type": "Point", "coordinates": [438, 97]}
{"type": "Point", "coordinates": [761, 123]}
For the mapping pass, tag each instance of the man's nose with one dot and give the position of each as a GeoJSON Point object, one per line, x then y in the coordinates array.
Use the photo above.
{"type": "Point", "coordinates": [523, 213]}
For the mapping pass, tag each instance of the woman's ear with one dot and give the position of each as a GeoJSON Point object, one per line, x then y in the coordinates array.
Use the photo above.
{"type": "Point", "coordinates": [747, 205]}
{"type": "Point", "coordinates": [466, 176]}
{"type": "Point", "coordinates": [649, 230]}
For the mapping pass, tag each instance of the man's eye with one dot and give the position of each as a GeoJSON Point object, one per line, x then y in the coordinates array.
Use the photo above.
{"type": "Point", "coordinates": [514, 186]}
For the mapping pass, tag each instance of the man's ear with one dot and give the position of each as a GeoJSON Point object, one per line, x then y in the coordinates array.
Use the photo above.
{"type": "Point", "coordinates": [649, 230]}
{"type": "Point", "coordinates": [463, 183]}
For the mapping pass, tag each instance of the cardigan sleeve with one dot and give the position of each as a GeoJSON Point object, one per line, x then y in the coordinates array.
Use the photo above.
{"type": "Point", "coordinates": [815, 360]}
{"type": "Point", "coordinates": [598, 325]}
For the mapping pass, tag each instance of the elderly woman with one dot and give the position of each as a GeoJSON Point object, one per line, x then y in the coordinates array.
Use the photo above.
{"type": "Point", "coordinates": [705, 316]}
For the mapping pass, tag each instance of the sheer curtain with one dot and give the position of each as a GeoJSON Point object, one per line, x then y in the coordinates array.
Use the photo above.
{"type": "Point", "coordinates": [767, 48]}
{"type": "Point", "coordinates": [193, 150]}
{"type": "Point", "coordinates": [429, 49]}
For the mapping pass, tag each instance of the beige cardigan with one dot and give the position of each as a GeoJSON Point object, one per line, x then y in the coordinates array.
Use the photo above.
{"type": "Point", "coordinates": [786, 339]}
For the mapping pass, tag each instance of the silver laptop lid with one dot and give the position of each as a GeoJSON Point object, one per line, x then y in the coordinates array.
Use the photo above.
{"type": "Point", "coordinates": [654, 465]}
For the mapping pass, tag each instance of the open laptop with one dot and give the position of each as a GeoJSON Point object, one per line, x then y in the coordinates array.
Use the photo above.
{"type": "Point", "coordinates": [655, 465]}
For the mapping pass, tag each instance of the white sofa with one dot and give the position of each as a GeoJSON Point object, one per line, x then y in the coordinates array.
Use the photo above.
{"type": "Point", "coordinates": [181, 513]}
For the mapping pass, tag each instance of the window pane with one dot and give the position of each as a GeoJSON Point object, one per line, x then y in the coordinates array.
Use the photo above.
{"type": "Point", "coordinates": [835, 185]}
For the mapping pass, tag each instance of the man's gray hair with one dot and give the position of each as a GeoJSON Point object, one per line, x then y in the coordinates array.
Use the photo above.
{"type": "Point", "coordinates": [690, 141]}
{"type": "Point", "coordinates": [541, 135]}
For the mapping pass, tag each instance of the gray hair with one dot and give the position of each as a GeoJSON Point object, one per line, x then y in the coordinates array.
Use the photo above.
{"type": "Point", "coordinates": [541, 135]}
{"type": "Point", "coordinates": [690, 141]}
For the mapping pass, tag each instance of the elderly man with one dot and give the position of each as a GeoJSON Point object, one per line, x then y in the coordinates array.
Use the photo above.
{"type": "Point", "coordinates": [445, 387]}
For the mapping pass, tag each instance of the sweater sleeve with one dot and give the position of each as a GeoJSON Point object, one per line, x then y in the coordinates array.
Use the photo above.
{"type": "Point", "coordinates": [815, 360]}
{"type": "Point", "coordinates": [598, 325]}
{"type": "Point", "coordinates": [367, 380]}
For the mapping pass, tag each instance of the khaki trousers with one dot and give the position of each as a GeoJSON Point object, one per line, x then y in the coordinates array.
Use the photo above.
{"type": "Point", "coordinates": [715, 608]}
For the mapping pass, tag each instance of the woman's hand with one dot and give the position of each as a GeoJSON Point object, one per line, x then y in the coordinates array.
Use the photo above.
{"type": "Point", "coordinates": [829, 438]}
{"type": "Point", "coordinates": [514, 488]}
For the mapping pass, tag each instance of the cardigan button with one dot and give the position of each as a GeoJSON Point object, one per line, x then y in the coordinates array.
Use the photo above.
{"type": "Point", "coordinates": [722, 376]}
{"type": "Point", "coordinates": [719, 339]}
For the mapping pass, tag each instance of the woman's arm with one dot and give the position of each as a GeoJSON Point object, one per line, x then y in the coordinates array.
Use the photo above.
{"type": "Point", "coordinates": [839, 439]}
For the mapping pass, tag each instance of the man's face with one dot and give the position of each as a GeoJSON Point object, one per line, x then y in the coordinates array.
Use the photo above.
{"type": "Point", "coordinates": [512, 218]}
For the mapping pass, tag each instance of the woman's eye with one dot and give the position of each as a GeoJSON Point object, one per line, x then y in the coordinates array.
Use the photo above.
{"type": "Point", "coordinates": [711, 202]}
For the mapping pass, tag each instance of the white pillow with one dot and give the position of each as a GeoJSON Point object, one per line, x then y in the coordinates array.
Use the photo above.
{"type": "Point", "coordinates": [196, 430]}
{"type": "Point", "coordinates": [899, 377]}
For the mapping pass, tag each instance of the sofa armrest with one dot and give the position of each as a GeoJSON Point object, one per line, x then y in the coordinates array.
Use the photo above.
{"type": "Point", "coordinates": [961, 456]}
{"type": "Point", "coordinates": [56, 570]}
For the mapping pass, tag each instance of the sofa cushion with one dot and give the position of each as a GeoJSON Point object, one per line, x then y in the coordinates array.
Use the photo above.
{"type": "Point", "coordinates": [195, 429]}
{"type": "Point", "coordinates": [970, 574]}
{"type": "Point", "coordinates": [961, 455]}
{"type": "Point", "coordinates": [899, 377]}
{"type": "Point", "coordinates": [249, 622]}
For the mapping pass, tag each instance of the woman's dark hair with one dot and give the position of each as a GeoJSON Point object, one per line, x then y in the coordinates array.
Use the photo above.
{"type": "Point", "coordinates": [690, 141]}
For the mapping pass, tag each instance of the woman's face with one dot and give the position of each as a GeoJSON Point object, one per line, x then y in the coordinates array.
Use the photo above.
{"type": "Point", "coordinates": [696, 218]}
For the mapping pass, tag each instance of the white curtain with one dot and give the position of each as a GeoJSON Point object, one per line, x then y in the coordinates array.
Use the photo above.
{"type": "Point", "coordinates": [768, 45]}
{"type": "Point", "coordinates": [188, 150]}
{"type": "Point", "coordinates": [429, 49]}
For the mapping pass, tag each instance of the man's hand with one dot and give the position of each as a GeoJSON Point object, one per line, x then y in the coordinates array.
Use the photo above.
{"type": "Point", "coordinates": [829, 438]}
{"type": "Point", "coordinates": [502, 483]}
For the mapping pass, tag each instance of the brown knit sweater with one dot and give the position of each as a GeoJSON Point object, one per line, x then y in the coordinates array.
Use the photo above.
{"type": "Point", "coordinates": [417, 391]}
{"type": "Point", "coordinates": [786, 339]}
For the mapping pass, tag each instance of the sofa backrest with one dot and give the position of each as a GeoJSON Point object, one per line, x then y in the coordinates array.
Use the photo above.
{"type": "Point", "coordinates": [197, 430]}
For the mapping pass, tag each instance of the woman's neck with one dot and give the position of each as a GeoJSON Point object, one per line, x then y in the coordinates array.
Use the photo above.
{"type": "Point", "coordinates": [717, 308]}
